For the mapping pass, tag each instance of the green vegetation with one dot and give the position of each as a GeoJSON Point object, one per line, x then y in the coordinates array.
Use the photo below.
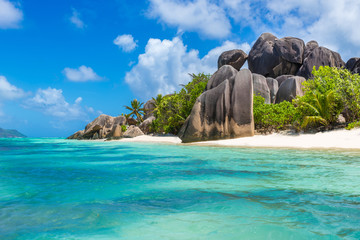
{"type": "Point", "coordinates": [123, 128]}
{"type": "Point", "coordinates": [135, 110]}
{"type": "Point", "coordinates": [330, 92]}
{"type": "Point", "coordinates": [272, 117]}
{"type": "Point", "coordinates": [172, 110]}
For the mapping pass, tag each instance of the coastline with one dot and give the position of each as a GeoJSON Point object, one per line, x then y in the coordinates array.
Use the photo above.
{"type": "Point", "coordinates": [335, 139]}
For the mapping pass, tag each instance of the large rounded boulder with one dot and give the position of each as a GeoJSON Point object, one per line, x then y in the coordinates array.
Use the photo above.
{"type": "Point", "coordinates": [273, 87]}
{"type": "Point", "coordinates": [261, 87]}
{"type": "Point", "coordinates": [104, 126]}
{"type": "Point", "coordinates": [272, 57]}
{"type": "Point", "coordinates": [236, 58]}
{"type": "Point", "coordinates": [224, 111]}
{"type": "Point", "coordinates": [319, 56]}
{"type": "Point", "coordinates": [149, 107]}
{"type": "Point", "coordinates": [353, 65]}
{"type": "Point", "coordinates": [223, 73]}
{"type": "Point", "coordinates": [290, 88]}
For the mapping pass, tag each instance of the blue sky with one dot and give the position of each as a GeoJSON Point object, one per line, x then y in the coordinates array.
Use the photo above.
{"type": "Point", "coordinates": [64, 62]}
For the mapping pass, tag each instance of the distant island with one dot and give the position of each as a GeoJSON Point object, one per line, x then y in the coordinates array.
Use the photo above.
{"type": "Point", "coordinates": [10, 133]}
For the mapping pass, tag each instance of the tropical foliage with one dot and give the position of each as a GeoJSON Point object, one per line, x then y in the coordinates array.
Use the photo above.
{"type": "Point", "coordinates": [272, 117]}
{"type": "Point", "coordinates": [135, 109]}
{"type": "Point", "coordinates": [172, 110]}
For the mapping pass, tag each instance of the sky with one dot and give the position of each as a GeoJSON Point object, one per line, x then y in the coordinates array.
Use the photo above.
{"type": "Point", "coordinates": [63, 62]}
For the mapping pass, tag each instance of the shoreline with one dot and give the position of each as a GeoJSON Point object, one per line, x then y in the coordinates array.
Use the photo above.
{"type": "Point", "coordinates": [335, 139]}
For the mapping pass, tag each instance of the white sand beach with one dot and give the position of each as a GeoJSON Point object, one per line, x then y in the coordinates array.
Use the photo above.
{"type": "Point", "coordinates": [336, 139]}
{"type": "Point", "coordinates": [340, 139]}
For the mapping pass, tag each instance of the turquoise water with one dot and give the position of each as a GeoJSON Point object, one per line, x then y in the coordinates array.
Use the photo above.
{"type": "Point", "coordinates": [58, 189]}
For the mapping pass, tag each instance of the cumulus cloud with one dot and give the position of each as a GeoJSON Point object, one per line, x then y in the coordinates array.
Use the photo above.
{"type": "Point", "coordinates": [82, 74]}
{"type": "Point", "coordinates": [201, 16]}
{"type": "Point", "coordinates": [166, 64]}
{"type": "Point", "coordinates": [75, 19]}
{"type": "Point", "coordinates": [10, 15]}
{"type": "Point", "coordinates": [125, 42]}
{"type": "Point", "coordinates": [9, 91]}
{"type": "Point", "coordinates": [51, 102]}
{"type": "Point", "coordinates": [331, 23]}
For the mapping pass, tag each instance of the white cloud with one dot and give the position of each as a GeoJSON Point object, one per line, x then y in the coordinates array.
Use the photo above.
{"type": "Point", "coordinates": [8, 91]}
{"type": "Point", "coordinates": [51, 102]}
{"type": "Point", "coordinates": [166, 64]}
{"type": "Point", "coordinates": [10, 15]}
{"type": "Point", "coordinates": [330, 22]}
{"type": "Point", "coordinates": [82, 74]}
{"type": "Point", "coordinates": [200, 16]}
{"type": "Point", "coordinates": [75, 19]}
{"type": "Point", "coordinates": [125, 42]}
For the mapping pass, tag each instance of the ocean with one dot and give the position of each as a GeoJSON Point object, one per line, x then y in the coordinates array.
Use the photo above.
{"type": "Point", "coordinates": [63, 189]}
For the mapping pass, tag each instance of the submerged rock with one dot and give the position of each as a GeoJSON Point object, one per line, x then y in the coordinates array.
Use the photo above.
{"type": "Point", "coordinates": [223, 111]}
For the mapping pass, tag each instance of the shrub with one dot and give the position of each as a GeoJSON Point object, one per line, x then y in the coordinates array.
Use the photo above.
{"type": "Point", "coordinates": [123, 128]}
{"type": "Point", "coordinates": [172, 110]}
{"type": "Point", "coordinates": [272, 117]}
{"type": "Point", "coordinates": [353, 125]}
{"type": "Point", "coordinates": [346, 87]}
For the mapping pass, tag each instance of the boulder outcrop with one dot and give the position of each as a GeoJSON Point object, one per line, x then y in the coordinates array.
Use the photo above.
{"type": "Point", "coordinates": [272, 57]}
{"type": "Point", "coordinates": [319, 56]}
{"type": "Point", "coordinates": [290, 88]}
{"type": "Point", "coordinates": [273, 87]}
{"type": "Point", "coordinates": [133, 131]}
{"type": "Point", "coordinates": [149, 107]}
{"type": "Point", "coordinates": [145, 125]}
{"type": "Point", "coordinates": [353, 65]}
{"type": "Point", "coordinates": [236, 58]}
{"type": "Point", "coordinates": [223, 73]}
{"type": "Point", "coordinates": [261, 87]}
{"type": "Point", "coordinates": [223, 111]}
{"type": "Point", "coordinates": [103, 126]}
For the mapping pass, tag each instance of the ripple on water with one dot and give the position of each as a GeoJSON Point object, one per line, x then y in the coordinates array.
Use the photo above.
{"type": "Point", "coordinates": [58, 189]}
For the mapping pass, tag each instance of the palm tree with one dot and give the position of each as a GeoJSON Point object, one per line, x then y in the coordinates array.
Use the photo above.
{"type": "Point", "coordinates": [136, 109]}
{"type": "Point", "coordinates": [157, 102]}
{"type": "Point", "coordinates": [322, 108]}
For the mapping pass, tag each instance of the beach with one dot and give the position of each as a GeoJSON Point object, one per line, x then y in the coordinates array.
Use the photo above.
{"type": "Point", "coordinates": [339, 139]}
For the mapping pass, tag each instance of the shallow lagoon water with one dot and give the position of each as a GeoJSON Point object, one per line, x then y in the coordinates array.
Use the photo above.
{"type": "Point", "coordinates": [59, 189]}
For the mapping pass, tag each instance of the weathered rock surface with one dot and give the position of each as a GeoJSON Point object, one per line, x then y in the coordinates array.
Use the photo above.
{"type": "Point", "coordinates": [223, 73]}
{"type": "Point", "coordinates": [133, 131]}
{"type": "Point", "coordinates": [224, 111]}
{"type": "Point", "coordinates": [149, 108]}
{"type": "Point", "coordinates": [309, 47]}
{"type": "Point", "coordinates": [236, 58]}
{"type": "Point", "coordinates": [289, 89]}
{"type": "Point", "coordinates": [273, 87]}
{"type": "Point", "coordinates": [282, 78]}
{"type": "Point", "coordinates": [319, 56]}
{"type": "Point", "coordinates": [261, 87]}
{"type": "Point", "coordinates": [353, 65]}
{"type": "Point", "coordinates": [131, 121]}
{"type": "Point", "coordinates": [103, 126]}
{"type": "Point", "coordinates": [145, 125]}
{"type": "Point", "coordinates": [272, 57]}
